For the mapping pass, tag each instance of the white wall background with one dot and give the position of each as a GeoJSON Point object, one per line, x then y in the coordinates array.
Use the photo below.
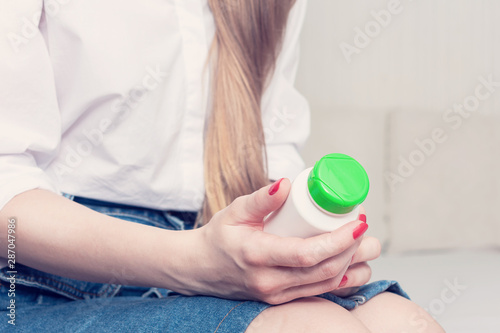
{"type": "Point", "coordinates": [427, 58]}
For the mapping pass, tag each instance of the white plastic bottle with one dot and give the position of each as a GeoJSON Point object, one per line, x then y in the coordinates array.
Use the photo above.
{"type": "Point", "coordinates": [322, 198]}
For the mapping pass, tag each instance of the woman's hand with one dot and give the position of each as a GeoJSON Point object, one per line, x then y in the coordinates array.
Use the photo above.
{"type": "Point", "coordinates": [236, 259]}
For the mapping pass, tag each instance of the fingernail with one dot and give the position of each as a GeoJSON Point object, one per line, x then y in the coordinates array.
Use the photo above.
{"type": "Point", "coordinates": [362, 217]}
{"type": "Point", "coordinates": [275, 187]}
{"type": "Point", "coordinates": [359, 230]}
{"type": "Point", "coordinates": [343, 282]}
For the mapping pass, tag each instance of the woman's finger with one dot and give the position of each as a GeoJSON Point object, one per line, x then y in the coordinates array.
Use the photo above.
{"type": "Point", "coordinates": [344, 292]}
{"type": "Point", "coordinates": [369, 249]}
{"type": "Point", "coordinates": [298, 252]}
{"type": "Point", "coordinates": [289, 277]}
{"type": "Point", "coordinates": [306, 290]}
{"type": "Point", "coordinates": [252, 208]}
{"type": "Point", "coordinates": [362, 211]}
{"type": "Point", "coordinates": [357, 275]}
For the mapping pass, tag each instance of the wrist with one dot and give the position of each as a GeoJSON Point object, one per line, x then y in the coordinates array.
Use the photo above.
{"type": "Point", "coordinates": [180, 261]}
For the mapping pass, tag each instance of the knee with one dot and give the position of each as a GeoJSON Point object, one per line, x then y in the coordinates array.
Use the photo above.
{"type": "Point", "coordinates": [310, 314]}
{"type": "Point", "coordinates": [389, 312]}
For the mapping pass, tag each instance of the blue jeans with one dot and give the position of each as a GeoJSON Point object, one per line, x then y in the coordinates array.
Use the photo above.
{"type": "Point", "coordinates": [49, 303]}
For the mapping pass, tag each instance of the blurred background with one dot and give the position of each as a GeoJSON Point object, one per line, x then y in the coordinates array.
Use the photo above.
{"type": "Point", "coordinates": [412, 90]}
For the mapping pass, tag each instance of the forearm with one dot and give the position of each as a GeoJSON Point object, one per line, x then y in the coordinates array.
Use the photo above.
{"type": "Point", "coordinates": [61, 237]}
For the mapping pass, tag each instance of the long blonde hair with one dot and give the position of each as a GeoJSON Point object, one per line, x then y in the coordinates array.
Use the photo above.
{"type": "Point", "coordinates": [247, 40]}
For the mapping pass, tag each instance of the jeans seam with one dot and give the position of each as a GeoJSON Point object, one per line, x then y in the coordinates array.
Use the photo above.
{"type": "Point", "coordinates": [79, 290]}
{"type": "Point", "coordinates": [227, 314]}
{"type": "Point", "coordinates": [143, 218]}
{"type": "Point", "coordinates": [67, 285]}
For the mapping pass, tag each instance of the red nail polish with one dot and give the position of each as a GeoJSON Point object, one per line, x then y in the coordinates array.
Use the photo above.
{"type": "Point", "coordinates": [343, 282]}
{"type": "Point", "coordinates": [359, 230]}
{"type": "Point", "coordinates": [362, 217]}
{"type": "Point", "coordinates": [275, 187]}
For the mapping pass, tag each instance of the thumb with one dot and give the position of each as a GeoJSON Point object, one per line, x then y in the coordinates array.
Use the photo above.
{"type": "Point", "coordinates": [252, 208]}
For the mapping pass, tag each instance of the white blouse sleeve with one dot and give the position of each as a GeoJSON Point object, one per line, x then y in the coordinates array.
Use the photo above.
{"type": "Point", "coordinates": [30, 124]}
{"type": "Point", "coordinates": [285, 112]}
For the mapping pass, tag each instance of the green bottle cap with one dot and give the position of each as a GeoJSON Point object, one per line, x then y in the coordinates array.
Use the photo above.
{"type": "Point", "coordinates": [338, 183]}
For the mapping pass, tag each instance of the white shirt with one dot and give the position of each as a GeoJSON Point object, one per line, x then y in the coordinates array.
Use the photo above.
{"type": "Point", "coordinates": [107, 100]}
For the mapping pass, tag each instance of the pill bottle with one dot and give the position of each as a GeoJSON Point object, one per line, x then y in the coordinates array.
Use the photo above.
{"type": "Point", "coordinates": [322, 198]}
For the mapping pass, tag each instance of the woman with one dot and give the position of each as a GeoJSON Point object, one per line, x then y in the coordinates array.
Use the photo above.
{"type": "Point", "coordinates": [120, 120]}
